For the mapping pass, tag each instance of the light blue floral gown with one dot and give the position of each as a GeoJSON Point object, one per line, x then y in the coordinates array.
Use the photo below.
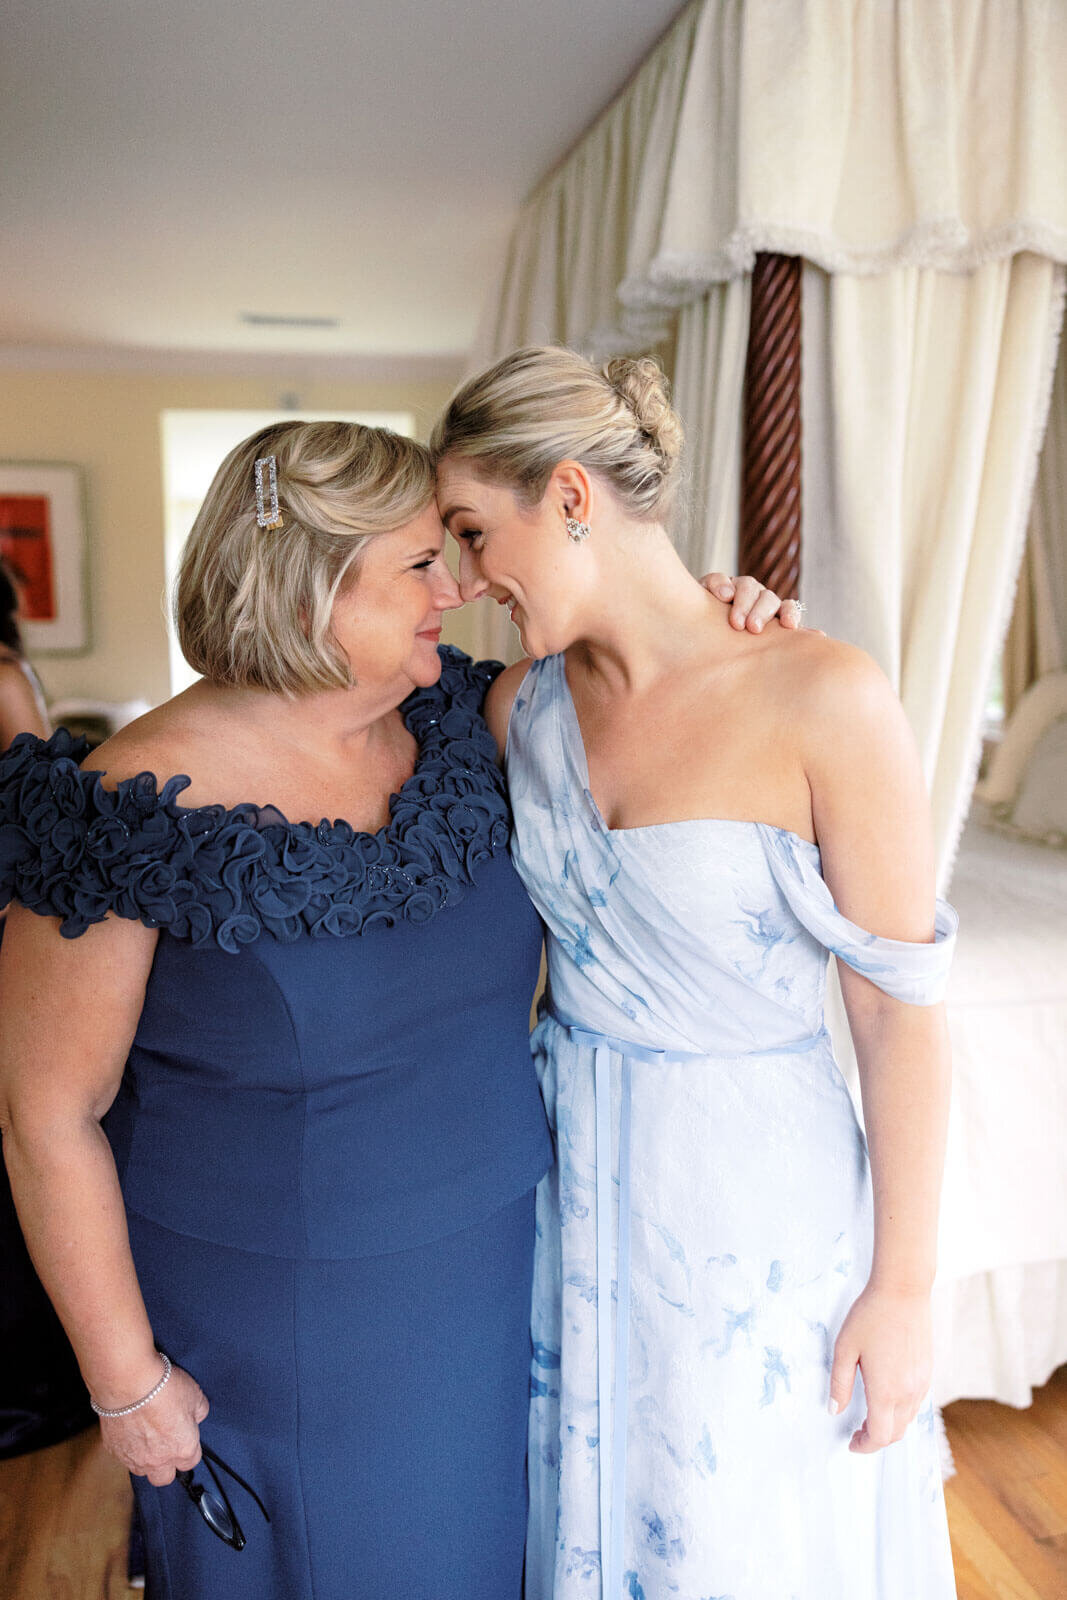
{"type": "Point", "coordinates": [713, 1183]}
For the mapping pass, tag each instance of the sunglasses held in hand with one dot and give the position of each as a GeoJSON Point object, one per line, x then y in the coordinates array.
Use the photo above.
{"type": "Point", "coordinates": [214, 1504]}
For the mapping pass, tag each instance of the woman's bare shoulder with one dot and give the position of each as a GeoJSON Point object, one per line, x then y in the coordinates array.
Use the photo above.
{"type": "Point", "coordinates": [501, 698]}
{"type": "Point", "coordinates": [821, 694]}
{"type": "Point", "coordinates": [822, 673]}
{"type": "Point", "coordinates": [847, 719]}
{"type": "Point", "coordinates": [839, 680]}
{"type": "Point", "coordinates": [161, 742]}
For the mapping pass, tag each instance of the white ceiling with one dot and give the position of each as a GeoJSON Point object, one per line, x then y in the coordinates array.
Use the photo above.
{"type": "Point", "coordinates": [168, 164]}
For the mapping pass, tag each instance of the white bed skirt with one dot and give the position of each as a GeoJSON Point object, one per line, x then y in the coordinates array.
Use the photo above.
{"type": "Point", "coordinates": [1001, 1334]}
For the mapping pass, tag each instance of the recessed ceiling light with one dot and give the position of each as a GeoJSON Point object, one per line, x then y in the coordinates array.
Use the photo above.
{"type": "Point", "coordinates": [264, 319]}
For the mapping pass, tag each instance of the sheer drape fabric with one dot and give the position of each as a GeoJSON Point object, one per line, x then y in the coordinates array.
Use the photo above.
{"type": "Point", "coordinates": [709, 375]}
{"type": "Point", "coordinates": [925, 401]}
{"type": "Point", "coordinates": [925, 396]}
{"type": "Point", "coordinates": [864, 137]}
{"type": "Point", "coordinates": [1037, 638]}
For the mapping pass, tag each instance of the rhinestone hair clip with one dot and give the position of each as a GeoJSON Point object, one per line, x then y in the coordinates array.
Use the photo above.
{"type": "Point", "coordinates": [268, 512]}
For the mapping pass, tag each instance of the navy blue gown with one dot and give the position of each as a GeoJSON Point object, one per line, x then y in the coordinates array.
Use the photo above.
{"type": "Point", "coordinates": [328, 1136]}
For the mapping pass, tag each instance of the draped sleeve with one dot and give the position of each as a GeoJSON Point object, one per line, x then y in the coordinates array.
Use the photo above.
{"type": "Point", "coordinates": [913, 972]}
{"type": "Point", "coordinates": [72, 849]}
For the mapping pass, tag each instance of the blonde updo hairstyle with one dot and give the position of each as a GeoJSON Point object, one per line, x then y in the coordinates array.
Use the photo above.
{"type": "Point", "coordinates": [253, 606]}
{"type": "Point", "coordinates": [518, 419]}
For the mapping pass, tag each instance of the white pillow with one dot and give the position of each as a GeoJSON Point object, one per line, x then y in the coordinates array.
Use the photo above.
{"type": "Point", "coordinates": [1042, 704]}
{"type": "Point", "coordinates": [1041, 809]}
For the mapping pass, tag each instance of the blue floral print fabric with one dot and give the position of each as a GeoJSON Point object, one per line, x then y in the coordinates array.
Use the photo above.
{"type": "Point", "coordinates": [689, 960]}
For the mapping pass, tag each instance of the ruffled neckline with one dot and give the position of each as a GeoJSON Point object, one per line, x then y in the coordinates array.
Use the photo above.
{"type": "Point", "coordinates": [70, 847]}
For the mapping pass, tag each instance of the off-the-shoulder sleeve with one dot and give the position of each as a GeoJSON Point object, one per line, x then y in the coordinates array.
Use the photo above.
{"type": "Point", "coordinates": [69, 848]}
{"type": "Point", "coordinates": [916, 973]}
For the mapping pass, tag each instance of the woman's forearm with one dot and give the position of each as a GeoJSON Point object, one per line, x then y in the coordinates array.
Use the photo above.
{"type": "Point", "coordinates": [66, 1191]}
{"type": "Point", "coordinates": [903, 1056]}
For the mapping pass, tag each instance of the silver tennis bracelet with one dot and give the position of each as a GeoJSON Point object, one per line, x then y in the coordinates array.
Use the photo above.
{"type": "Point", "coordinates": [124, 1411]}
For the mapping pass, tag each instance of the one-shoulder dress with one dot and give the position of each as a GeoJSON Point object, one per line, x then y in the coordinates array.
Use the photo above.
{"type": "Point", "coordinates": [328, 1137]}
{"type": "Point", "coordinates": [709, 1220]}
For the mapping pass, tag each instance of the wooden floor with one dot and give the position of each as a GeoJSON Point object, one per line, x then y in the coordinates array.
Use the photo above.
{"type": "Point", "coordinates": [64, 1512]}
{"type": "Point", "coordinates": [64, 1522]}
{"type": "Point", "coordinates": [1007, 1504]}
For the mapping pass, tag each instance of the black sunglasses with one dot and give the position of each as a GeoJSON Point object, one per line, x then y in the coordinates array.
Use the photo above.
{"type": "Point", "coordinates": [215, 1507]}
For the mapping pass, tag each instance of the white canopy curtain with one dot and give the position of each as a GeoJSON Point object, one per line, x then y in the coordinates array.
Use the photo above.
{"type": "Point", "coordinates": [891, 146]}
{"type": "Point", "coordinates": [925, 397]}
{"type": "Point", "coordinates": [1037, 638]}
{"type": "Point", "coordinates": [914, 154]}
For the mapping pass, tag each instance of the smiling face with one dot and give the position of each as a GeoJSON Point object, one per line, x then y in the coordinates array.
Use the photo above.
{"type": "Point", "coordinates": [521, 557]}
{"type": "Point", "coordinates": [387, 620]}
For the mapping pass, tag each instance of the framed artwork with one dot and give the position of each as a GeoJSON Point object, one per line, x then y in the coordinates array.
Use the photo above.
{"type": "Point", "coordinates": [42, 541]}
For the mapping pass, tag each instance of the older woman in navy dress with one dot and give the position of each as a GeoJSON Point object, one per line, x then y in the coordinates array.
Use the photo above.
{"type": "Point", "coordinates": [310, 1039]}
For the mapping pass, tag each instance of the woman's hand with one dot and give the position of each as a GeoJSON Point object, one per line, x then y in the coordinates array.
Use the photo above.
{"type": "Point", "coordinates": [753, 604]}
{"type": "Point", "coordinates": [887, 1334]}
{"type": "Point", "coordinates": [164, 1436]}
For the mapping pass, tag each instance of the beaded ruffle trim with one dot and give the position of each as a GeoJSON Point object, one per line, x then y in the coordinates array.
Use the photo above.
{"type": "Point", "coordinates": [70, 848]}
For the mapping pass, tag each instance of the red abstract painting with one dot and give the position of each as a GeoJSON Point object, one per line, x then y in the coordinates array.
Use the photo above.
{"type": "Point", "coordinates": [26, 546]}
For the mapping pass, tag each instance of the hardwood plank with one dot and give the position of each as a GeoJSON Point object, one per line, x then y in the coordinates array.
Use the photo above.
{"type": "Point", "coordinates": [1053, 1490]}
{"type": "Point", "coordinates": [997, 1544]}
{"type": "Point", "coordinates": [64, 1517]}
{"type": "Point", "coordinates": [1021, 1459]}
{"type": "Point", "coordinates": [980, 1552]}
{"type": "Point", "coordinates": [1049, 1410]}
{"type": "Point", "coordinates": [92, 1523]}
{"type": "Point", "coordinates": [1035, 1505]}
{"type": "Point", "coordinates": [1022, 1496]}
{"type": "Point", "coordinates": [1008, 1437]}
{"type": "Point", "coordinates": [970, 1585]}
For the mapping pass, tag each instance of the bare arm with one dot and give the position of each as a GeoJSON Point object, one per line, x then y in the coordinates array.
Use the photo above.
{"type": "Point", "coordinates": [19, 710]}
{"type": "Point", "coordinates": [69, 1013]}
{"type": "Point", "coordinates": [873, 825]}
{"type": "Point", "coordinates": [501, 698]}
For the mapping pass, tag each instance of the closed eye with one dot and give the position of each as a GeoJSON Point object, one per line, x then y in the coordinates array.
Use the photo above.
{"type": "Point", "coordinates": [473, 537]}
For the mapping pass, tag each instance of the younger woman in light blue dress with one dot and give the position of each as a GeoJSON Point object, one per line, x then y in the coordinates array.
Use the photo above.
{"type": "Point", "coordinates": [731, 1305]}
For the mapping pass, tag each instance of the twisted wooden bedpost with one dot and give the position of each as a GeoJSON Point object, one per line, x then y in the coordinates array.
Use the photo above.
{"type": "Point", "coordinates": [770, 539]}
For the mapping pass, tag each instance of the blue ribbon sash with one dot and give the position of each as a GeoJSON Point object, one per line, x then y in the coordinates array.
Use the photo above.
{"type": "Point", "coordinates": [613, 1354]}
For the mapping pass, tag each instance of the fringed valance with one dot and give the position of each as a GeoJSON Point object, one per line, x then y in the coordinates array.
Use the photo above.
{"type": "Point", "coordinates": [864, 137]}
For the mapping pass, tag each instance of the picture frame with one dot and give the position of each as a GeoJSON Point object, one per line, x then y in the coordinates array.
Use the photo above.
{"type": "Point", "coordinates": [43, 541]}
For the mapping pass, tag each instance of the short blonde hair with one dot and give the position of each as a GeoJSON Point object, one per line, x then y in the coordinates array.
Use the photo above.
{"type": "Point", "coordinates": [538, 406]}
{"type": "Point", "coordinates": [253, 606]}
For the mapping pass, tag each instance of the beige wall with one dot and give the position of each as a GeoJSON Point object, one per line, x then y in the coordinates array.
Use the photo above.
{"type": "Point", "coordinates": [108, 424]}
